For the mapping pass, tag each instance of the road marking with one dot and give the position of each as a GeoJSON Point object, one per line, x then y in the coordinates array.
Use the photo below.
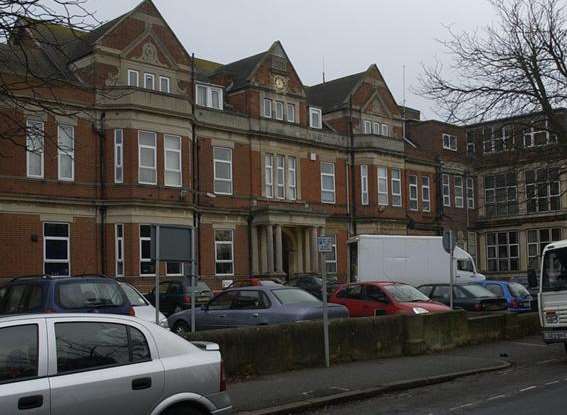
{"type": "Point", "coordinates": [492, 398]}
{"type": "Point", "coordinates": [529, 388]}
{"type": "Point", "coordinates": [545, 362]}
{"type": "Point", "coordinates": [555, 382]}
{"type": "Point", "coordinates": [530, 344]}
{"type": "Point", "coordinates": [456, 408]}
{"type": "Point", "coordinates": [339, 388]}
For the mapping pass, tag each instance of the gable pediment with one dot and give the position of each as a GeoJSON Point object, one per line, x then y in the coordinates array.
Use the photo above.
{"type": "Point", "coordinates": [147, 49]}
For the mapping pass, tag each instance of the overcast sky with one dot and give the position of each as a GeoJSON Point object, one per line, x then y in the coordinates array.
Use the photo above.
{"type": "Point", "coordinates": [349, 34]}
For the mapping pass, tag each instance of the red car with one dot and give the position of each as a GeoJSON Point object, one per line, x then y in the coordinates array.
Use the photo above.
{"type": "Point", "coordinates": [380, 297]}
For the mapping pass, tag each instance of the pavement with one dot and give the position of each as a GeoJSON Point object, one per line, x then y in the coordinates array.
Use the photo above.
{"type": "Point", "coordinates": [309, 389]}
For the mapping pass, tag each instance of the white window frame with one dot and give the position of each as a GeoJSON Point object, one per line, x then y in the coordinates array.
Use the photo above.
{"type": "Point", "coordinates": [319, 113]}
{"type": "Point", "coordinates": [376, 129]}
{"type": "Point", "coordinates": [179, 153]}
{"type": "Point", "coordinates": [222, 179]}
{"type": "Point", "coordinates": [153, 148]}
{"type": "Point", "coordinates": [366, 127]}
{"type": "Point", "coordinates": [199, 87]}
{"type": "Point", "coordinates": [119, 155]}
{"type": "Point", "coordinates": [168, 81]}
{"type": "Point", "coordinates": [32, 134]}
{"type": "Point", "coordinates": [269, 175]}
{"type": "Point", "coordinates": [449, 142]}
{"type": "Point", "coordinates": [385, 192]}
{"type": "Point", "coordinates": [292, 178]}
{"type": "Point", "coordinates": [224, 261]}
{"type": "Point", "coordinates": [148, 76]}
{"type": "Point", "coordinates": [397, 195]}
{"type": "Point", "coordinates": [413, 186]}
{"type": "Point", "coordinates": [280, 174]}
{"type": "Point", "coordinates": [290, 112]}
{"type": "Point", "coordinates": [119, 243]}
{"type": "Point", "coordinates": [385, 130]}
{"type": "Point", "coordinates": [134, 72]}
{"type": "Point", "coordinates": [267, 110]}
{"type": "Point", "coordinates": [175, 274]}
{"type": "Point", "coordinates": [329, 191]}
{"type": "Point", "coordinates": [209, 89]}
{"type": "Point", "coordinates": [57, 238]}
{"type": "Point", "coordinates": [364, 199]}
{"type": "Point", "coordinates": [331, 259]}
{"type": "Point", "coordinates": [426, 189]}
{"type": "Point", "coordinates": [446, 186]}
{"type": "Point", "coordinates": [459, 192]}
{"type": "Point", "coordinates": [279, 113]}
{"type": "Point", "coordinates": [62, 152]}
{"type": "Point", "coordinates": [212, 91]}
{"type": "Point", "coordinates": [470, 193]}
{"type": "Point", "coordinates": [141, 239]}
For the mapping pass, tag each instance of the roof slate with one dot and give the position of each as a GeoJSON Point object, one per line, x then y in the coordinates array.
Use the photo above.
{"type": "Point", "coordinates": [332, 95]}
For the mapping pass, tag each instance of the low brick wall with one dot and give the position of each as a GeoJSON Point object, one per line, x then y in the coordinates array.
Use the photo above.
{"type": "Point", "coordinates": [270, 349]}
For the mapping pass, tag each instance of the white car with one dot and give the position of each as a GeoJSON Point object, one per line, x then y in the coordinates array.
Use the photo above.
{"type": "Point", "coordinates": [93, 364]}
{"type": "Point", "coordinates": [142, 307]}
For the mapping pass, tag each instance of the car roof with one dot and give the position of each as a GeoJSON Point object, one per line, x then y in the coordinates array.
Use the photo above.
{"type": "Point", "coordinates": [94, 316]}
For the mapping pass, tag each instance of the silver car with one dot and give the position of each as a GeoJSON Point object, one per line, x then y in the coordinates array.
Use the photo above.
{"type": "Point", "coordinates": [62, 364]}
{"type": "Point", "coordinates": [142, 307]}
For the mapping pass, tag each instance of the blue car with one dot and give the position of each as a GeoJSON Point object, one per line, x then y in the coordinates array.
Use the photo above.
{"type": "Point", "coordinates": [47, 294]}
{"type": "Point", "coordinates": [517, 296]}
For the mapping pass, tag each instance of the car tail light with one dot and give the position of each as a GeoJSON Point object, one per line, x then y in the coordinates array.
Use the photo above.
{"type": "Point", "coordinates": [131, 312]}
{"type": "Point", "coordinates": [478, 307]}
{"type": "Point", "coordinates": [222, 377]}
{"type": "Point", "coordinates": [186, 299]}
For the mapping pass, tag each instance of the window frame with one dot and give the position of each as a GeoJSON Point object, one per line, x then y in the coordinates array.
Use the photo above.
{"type": "Point", "coordinates": [175, 274]}
{"type": "Point", "coordinates": [376, 128]}
{"type": "Point", "coordinates": [319, 113]}
{"type": "Point", "coordinates": [280, 169]}
{"type": "Point", "coordinates": [134, 72]}
{"type": "Point", "coordinates": [118, 156]}
{"type": "Point", "coordinates": [470, 193]}
{"type": "Point", "coordinates": [61, 152]}
{"type": "Point", "coordinates": [148, 75]}
{"type": "Point", "coordinates": [539, 245]}
{"type": "Point", "coordinates": [332, 191]}
{"type": "Point", "coordinates": [292, 174]}
{"type": "Point", "coordinates": [224, 261]}
{"type": "Point", "coordinates": [32, 125]}
{"type": "Point", "coordinates": [364, 196]}
{"type": "Point", "coordinates": [154, 150]}
{"type": "Point", "coordinates": [119, 241]}
{"type": "Point", "coordinates": [290, 106]}
{"type": "Point", "coordinates": [267, 103]}
{"type": "Point", "coordinates": [446, 187]}
{"type": "Point", "coordinates": [279, 110]}
{"type": "Point", "coordinates": [39, 356]}
{"type": "Point", "coordinates": [396, 196]}
{"type": "Point", "coordinates": [385, 130]}
{"type": "Point", "coordinates": [179, 153]}
{"type": "Point", "coordinates": [497, 245]}
{"type": "Point", "coordinates": [451, 144]}
{"type": "Point", "coordinates": [492, 204]}
{"type": "Point", "coordinates": [366, 127]}
{"type": "Point", "coordinates": [426, 202]}
{"type": "Point", "coordinates": [269, 174]}
{"type": "Point", "coordinates": [57, 238]}
{"type": "Point", "coordinates": [165, 78]}
{"type": "Point", "coordinates": [220, 179]}
{"type": "Point", "coordinates": [331, 258]}
{"type": "Point", "coordinates": [549, 184]}
{"type": "Point", "coordinates": [385, 193]}
{"type": "Point", "coordinates": [459, 192]}
{"type": "Point", "coordinates": [208, 96]}
{"type": "Point", "coordinates": [141, 258]}
{"type": "Point", "coordinates": [413, 186]}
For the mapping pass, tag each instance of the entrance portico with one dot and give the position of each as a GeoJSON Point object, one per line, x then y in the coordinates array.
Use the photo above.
{"type": "Point", "coordinates": [285, 242]}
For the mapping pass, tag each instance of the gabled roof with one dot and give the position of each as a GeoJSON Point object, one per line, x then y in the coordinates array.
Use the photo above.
{"type": "Point", "coordinates": [333, 95]}
{"type": "Point", "coordinates": [240, 70]}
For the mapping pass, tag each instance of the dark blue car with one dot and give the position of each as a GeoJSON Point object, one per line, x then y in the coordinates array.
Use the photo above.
{"type": "Point", "coordinates": [46, 294]}
{"type": "Point", "coordinates": [517, 296]}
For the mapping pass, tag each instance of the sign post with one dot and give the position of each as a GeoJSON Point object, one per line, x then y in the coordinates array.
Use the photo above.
{"type": "Point", "coordinates": [156, 289]}
{"type": "Point", "coordinates": [449, 246]}
{"type": "Point", "coordinates": [325, 245]}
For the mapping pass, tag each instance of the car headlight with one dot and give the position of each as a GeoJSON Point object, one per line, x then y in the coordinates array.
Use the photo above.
{"type": "Point", "coordinates": [551, 317]}
{"type": "Point", "coordinates": [420, 310]}
{"type": "Point", "coordinates": [163, 323]}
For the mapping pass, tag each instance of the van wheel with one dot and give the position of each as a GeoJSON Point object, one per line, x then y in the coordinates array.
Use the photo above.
{"type": "Point", "coordinates": [180, 328]}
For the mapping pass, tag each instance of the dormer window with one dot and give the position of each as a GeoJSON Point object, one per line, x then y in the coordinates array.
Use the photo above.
{"type": "Point", "coordinates": [133, 78]}
{"type": "Point", "coordinates": [315, 116]}
{"type": "Point", "coordinates": [209, 96]}
{"type": "Point", "coordinates": [449, 142]}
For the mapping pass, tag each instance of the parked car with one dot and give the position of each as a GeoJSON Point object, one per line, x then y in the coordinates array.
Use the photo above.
{"type": "Point", "coordinates": [313, 284]}
{"type": "Point", "coordinates": [251, 282]}
{"type": "Point", "coordinates": [256, 306]}
{"type": "Point", "coordinates": [81, 294]}
{"type": "Point", "coordinates": [142, 307]}
{"type": "Point", "coordinates": [175, 295]}
{"type": "Point", "coordinates": [524, 280]}
{"type": "Point", "coordinates": [381, 297]}
{"type": "Point", "coordinates": [61, 364]}
{"type": "Point", "coordinates": [470, 297]}
{"type": "Point", "coordinates": [517, 296]}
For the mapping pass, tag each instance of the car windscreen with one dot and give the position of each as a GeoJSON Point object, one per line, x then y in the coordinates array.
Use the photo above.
{"type": "Point", "coordinates": [476, 291]}
{"type": "Point", "coordinates": [554, 274]}
{"type": "Point", "coordinates": [518, 290]}
{"type": "Point", "coordinates": [405, 293]}
{"type": "Point", "coordinates": [134, 297]}
{"type": "Point", "coordinates": [288, 296]}
{"type": "Point", "coordinates": [88, 294]}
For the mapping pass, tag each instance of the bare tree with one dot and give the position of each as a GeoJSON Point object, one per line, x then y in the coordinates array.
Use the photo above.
{"type": "Point", "coordinates": [515, 66]}
{"type": "Point", "coordinates": [36, 39]}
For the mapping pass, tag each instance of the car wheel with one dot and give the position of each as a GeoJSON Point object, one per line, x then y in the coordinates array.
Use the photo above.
{"type": "Point", "coordinates": [183, 410]}
{"type": "Point", "coordinates": [180, 328]}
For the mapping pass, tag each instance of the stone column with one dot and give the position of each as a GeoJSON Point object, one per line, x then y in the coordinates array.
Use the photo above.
{"type": "Point", "coordinates": [299, 254]}
{"type": "Point", "coordinates": [270, 248]}
{"type": "Point", "coordinates": [263, 250]}
{"type": "Point", "coordinates": [279, 250]}
{"type": "Point", "coordinates": [307, 249]}
{"type": "Point", "coordinates": [314, 251]}
{"type": "Point", "coordinates": [254, 253]}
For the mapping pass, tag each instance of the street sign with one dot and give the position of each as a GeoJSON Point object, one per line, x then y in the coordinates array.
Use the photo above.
{"type": "Point", "coordinates": [449, 241]}
{"type": "Point", "coordinates": [325, 244]}
{"type": "Point", "coordinates": [175, 244]}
